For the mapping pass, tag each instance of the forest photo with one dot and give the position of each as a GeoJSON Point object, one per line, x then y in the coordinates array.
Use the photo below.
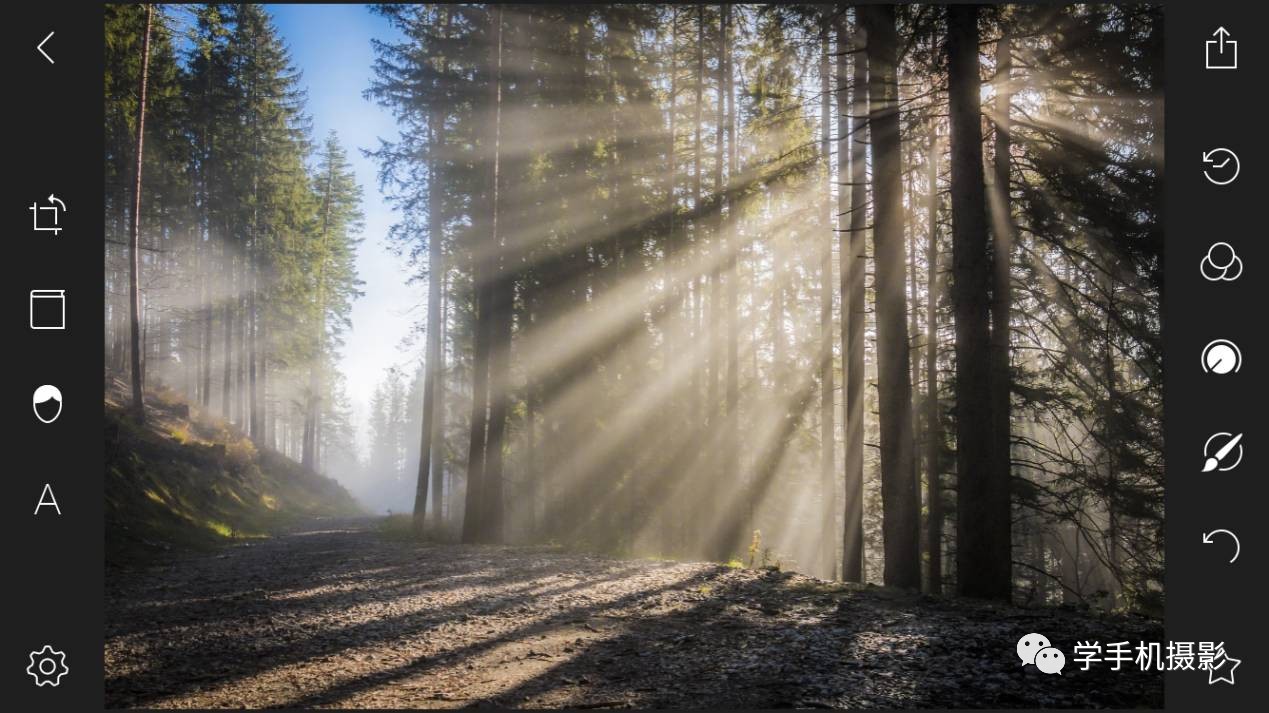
{"type": "Point", "coordinates": [631, 355]}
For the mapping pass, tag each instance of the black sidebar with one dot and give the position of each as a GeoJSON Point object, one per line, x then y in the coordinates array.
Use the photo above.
{"type": "Point", "coordinates": [1216, 354]}
{"type": "Point", "coordinates": [52, 329]}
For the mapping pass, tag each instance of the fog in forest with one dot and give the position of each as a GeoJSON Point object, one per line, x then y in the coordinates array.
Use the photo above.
{"type": "Point", "coordinates": [868, 293]}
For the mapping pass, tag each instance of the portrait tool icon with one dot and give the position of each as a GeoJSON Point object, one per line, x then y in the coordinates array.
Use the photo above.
{"type": "Point", "coordinates": [1221, 264]}
{"type": "Point", "coordinates": [1222, 356]}
{"type": "Point", "coordinates": [47, 403]}
{"type": "Point", "coordinates": [1222, 452]}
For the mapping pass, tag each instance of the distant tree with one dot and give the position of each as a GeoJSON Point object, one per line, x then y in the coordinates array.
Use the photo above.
{"type": "Point", "coordinates": [332, 256]}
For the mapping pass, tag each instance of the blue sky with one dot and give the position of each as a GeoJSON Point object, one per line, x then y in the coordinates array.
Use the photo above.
{"type": "Point", "coordinates": [330, 44]}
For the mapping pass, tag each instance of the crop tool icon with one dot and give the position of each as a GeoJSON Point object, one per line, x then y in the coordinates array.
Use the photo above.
{"type": "Point", "coordinates": [48, 218]}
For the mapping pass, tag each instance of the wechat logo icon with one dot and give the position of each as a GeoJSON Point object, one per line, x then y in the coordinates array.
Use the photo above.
{"type": "Point", "coordinates": [1036, 649]}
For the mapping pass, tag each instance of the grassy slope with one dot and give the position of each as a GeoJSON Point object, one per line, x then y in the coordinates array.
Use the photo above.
{"type": "Point", "coordinates": [188, 482]}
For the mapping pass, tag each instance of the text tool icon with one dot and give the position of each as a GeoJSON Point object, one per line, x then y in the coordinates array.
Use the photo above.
{"type": "Point", "coordinates": [1221, 264]}
{"type": "Point", "coordinates": [48, 309]}
{"type": "Point", "coordinates": [48, 218]}
{"type": "Point", "coordinates": [1220, 166]}
{"type": "Point", "coordinates": [1222, 52]}
{"type": "Point", "coordinates": [47, 402]}
{"type": "Point", "coordinates": [1223, 452]}
{"type": "Point", "coordinates": [47, 666]}
{"type": "Point", "coordinates": [1222, 356]}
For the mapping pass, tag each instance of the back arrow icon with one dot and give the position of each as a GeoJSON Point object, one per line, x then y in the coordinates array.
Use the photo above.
{"type": "Point", "coordinates": [40, 48]}
{"type": "Point", "coordinates": [1207, 540]}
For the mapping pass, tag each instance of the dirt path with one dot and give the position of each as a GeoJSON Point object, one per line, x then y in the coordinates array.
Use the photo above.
{"type": "Point", "coordinates": [336, 616]}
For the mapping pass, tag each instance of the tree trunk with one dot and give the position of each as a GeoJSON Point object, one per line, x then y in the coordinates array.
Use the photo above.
{"type": "Point", "coordinates": [436, 277]}
{"type": "Point", "coordinates": [437, 451]}
{"type": "Point", "coordinates": [982, 520]}
{"type": "Point", "coordinates": [472, 526]}
{"type": "Point", "coordinates": [134, 237]}
{"type": "Point", "coordinates": [245, 322]}
{"type": "Point", "coordinates": [207, 309]}
{"type": "Point", "coordinates": [251, 277]}
{"type": "Point", "coordinates": [226, 386]}
{"type": "Point", "coordinates": [933, 427]}
{"type": "Point", "coordinates": [485, 275]}
{"type": "Point", "coordinates": [828, 486]}
{"type": "Point", "coordinates": [697, 489]}
{"type": "Point", "coordinates": [715, 357]}
{"type": "Point", "coordinates": [502, 303]}
{"type": "Point", "coordinates": [1001, 283]}
{"type": "Point", "coordinates": [672, 524]}
{"type": "Point", "coordinates": [853, 256]}
{"type": "Point", "coordinates": [900, 505]}
{"type": "Point", "coordinates": [731, 442]}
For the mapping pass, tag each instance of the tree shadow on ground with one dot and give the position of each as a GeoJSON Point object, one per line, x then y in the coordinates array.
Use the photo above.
{"type": "Point", "coordinates": [239, 631]}
{"type": "Point", "coordinates": [754, 646]}
{"type": "Point", "coordinates": [350, 619]}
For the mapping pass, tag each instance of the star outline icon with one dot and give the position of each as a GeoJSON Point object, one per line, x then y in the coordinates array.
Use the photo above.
{"type": "Point", "coordinates": [1228, 675]}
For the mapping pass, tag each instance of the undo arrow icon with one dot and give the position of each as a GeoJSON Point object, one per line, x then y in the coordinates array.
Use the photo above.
{"type": "Point", "coordinates": [1207, 540]}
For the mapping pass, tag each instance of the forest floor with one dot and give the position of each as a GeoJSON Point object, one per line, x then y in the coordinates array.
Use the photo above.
{"type": "Point", "coordinates": [337, 615]}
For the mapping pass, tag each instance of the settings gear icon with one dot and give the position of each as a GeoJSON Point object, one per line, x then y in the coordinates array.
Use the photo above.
{"type": "Point", "coordinates": [48, 665]}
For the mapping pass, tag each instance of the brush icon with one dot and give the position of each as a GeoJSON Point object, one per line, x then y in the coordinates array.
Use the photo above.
{"type": "Point", "coordinates": [1213, 461]}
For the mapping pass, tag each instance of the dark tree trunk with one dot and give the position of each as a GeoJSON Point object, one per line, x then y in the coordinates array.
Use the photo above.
{"type": "Point", "coordinates": [1001, 283]}
{"type": "Point", "coordinates": [473, 505]}
{"type": "Point", "coordinates": [437, 450]}
{"type": "Point", "coordinates": [472, 510]}
{"type": "Point", "coordinates": [731, 443]}
{"type": "Point", "coordinates": [482, 522]}
{"type": "Point", "coordinates": [900, 504]}
{"type": "Point", "coordinates": [697, 488]}
{"type": "Point", "coordinates": [853, 256]}
{"type": "Point", "coordinates": [982, 519]}
{"type": "Point", "coordinates": [933, 427]}
{"type": "Point", "coordinates": [715, 354]}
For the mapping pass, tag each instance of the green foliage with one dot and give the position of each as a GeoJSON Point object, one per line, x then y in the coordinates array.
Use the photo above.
{"type": "Point", "coordinates": [206, 487]}
{"type": "Point", "coordinates": [249, 231]}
